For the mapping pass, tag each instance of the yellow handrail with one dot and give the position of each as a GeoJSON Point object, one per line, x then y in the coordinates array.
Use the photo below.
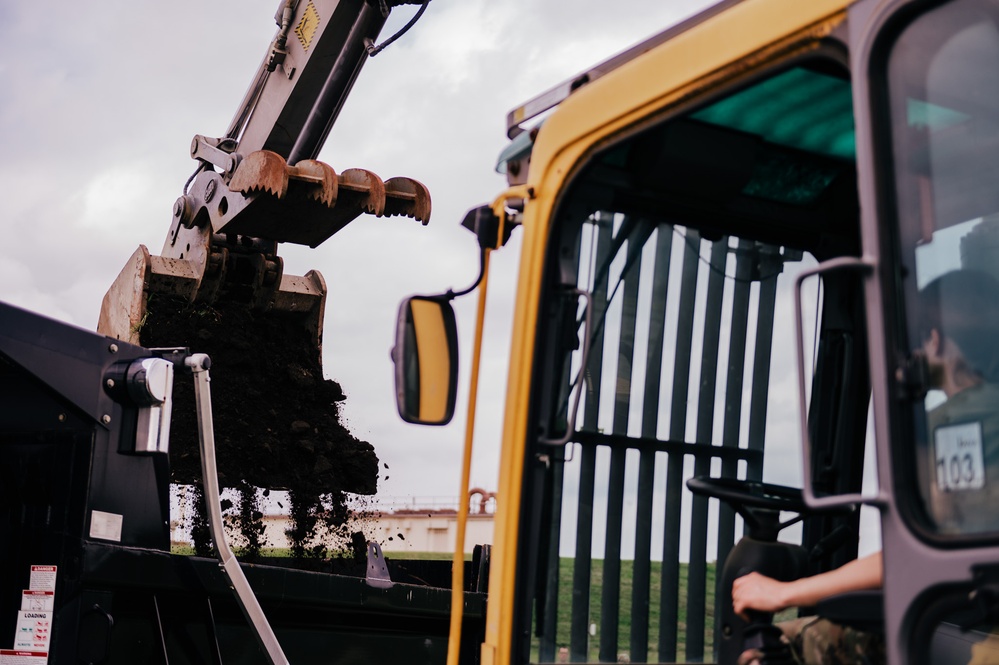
{"type": "Point", "coordinates": [458, 562]}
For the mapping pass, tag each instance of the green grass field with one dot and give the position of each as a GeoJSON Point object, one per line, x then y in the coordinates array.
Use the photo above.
{"type": "Point", "coordinates": [624, 619]}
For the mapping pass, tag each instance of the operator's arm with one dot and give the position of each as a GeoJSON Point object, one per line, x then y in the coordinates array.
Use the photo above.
{"type": "Point", "coordinates": [759, 592]}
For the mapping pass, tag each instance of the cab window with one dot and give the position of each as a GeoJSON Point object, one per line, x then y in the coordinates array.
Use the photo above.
{"type": "Point", "coordinates": [943, 82]}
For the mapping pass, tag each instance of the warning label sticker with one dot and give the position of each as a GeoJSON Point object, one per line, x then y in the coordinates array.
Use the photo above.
{"type": "Point", "coordinates": [308, 25]}
{"type": "Point", "coordinates": [33, 631]}
{"type": "Point", "coordinates": [34, 622]}
{"type": "Point", "coordinates": [15, 657]}
{"type": "Point", "coordinates": [43, 578]}
{"type": "Point", "coordinates": [39, 601]}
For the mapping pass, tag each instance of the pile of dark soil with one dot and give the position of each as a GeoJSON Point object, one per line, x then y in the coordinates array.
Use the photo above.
{"type": "Point", "coordinates": [277, 420]}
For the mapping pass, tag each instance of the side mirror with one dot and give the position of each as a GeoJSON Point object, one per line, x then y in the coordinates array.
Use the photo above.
{"type": "Point", "coordinates": [426, 360]}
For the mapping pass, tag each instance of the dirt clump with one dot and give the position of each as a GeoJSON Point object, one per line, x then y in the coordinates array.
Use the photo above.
{"type": "Point", "coordinates": [276, 417]}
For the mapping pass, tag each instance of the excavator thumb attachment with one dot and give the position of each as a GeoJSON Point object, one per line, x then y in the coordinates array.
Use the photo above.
{"type": "Point", "coordinates": [309, 202]}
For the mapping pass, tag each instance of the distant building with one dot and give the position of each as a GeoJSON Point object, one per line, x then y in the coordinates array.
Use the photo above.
{"type": "Point", "coordinates": [422, 525]}
{"type": "Point", "coordinates": [416, 524]}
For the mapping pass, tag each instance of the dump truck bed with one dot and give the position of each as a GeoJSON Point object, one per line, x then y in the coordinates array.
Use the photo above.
{"type": "Point", "coordinates": [181, 609]}
{"type": "Point", "coordinates": [85, 551]}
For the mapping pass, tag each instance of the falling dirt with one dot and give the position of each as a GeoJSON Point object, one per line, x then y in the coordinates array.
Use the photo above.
{"type": "Point", "coordinates": [276, 418]}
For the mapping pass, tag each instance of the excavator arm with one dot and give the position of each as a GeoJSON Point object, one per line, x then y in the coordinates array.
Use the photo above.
{"type": "Point", "coordinates": [218, 285]}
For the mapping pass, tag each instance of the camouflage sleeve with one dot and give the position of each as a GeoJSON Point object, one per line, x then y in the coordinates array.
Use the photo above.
{"type": "Point", "coordinates": [817, 641]}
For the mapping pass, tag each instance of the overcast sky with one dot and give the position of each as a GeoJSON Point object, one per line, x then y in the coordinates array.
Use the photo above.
{"type": "Point", "coordinates": [98, 105]}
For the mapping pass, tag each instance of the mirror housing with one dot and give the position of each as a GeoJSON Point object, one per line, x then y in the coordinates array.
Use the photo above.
{"type": "Point", "coordinates": [426, 360]}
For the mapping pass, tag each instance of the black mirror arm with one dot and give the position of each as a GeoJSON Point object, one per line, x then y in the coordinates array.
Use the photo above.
{"type": "Point", "coordinates": [451, 295]}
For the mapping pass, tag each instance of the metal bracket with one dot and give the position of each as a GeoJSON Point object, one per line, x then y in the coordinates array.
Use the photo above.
{"type": "Point", "coordinates": [378, 573]}
{"type": "Point", "coordinates": [206, 149]}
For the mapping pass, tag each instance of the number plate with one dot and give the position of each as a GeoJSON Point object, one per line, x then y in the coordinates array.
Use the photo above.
{"type": "Point", "coordinates": [959, 461]}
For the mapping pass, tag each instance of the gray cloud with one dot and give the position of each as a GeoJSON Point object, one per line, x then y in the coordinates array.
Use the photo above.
{"type": "Point", "coordinates": [99, 105]}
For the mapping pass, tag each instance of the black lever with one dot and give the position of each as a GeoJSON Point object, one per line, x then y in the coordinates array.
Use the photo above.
{"type": "Point", "coordinates": [831, 542]}
{"type": "Point", "coordinates": [765, 638]}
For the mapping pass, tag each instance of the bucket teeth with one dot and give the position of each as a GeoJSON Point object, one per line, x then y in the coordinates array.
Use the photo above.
{"type": "Point", "coordinates": [261, 171]}
{"type": "Point", "coordinates": [407, 197]}
{"type": "Point", "coordinates": [309, 202]}
{"type": "Point", "coordinates": [322, 182]}
{"type": "Point", "coordinates": [362, 191]}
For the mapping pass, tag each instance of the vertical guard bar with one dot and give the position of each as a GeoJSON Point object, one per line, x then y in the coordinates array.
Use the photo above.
{"type": "Point", "coordinates": [579, 636]}
{"type": "Point", "coordinates": [611, 596]}
{"type": "Point", "coordinates": [745, 259]}
{"type": "Point", "coordinates": [642, 575]}
{"type": "Point", "coordinates": [199, 364]}
{"type": "Point", "coordinates": [770, 260]}
{"type": "Point", "coordinates": [610, 599]}
{"type": "Point", "coordinates": [549, 626]}
{"type": "Point", "coordinates": [669, 617]}
{"type": "Point", "coordinates": [697, 570]}
{"type": "Point", "coordinates": [550, 640]}
{"type": "Point", "coordinates": [582, 565]}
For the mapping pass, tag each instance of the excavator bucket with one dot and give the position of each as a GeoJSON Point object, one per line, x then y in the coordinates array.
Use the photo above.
{"type": "Point", "coordinates": [147, 278]}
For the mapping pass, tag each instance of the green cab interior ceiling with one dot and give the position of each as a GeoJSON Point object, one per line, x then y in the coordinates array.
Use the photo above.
{"type": "Point", "coordinates": [799, 108]}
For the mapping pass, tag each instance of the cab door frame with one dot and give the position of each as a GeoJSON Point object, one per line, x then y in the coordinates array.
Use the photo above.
{"type": "Point", "coordinates": [917, 571]}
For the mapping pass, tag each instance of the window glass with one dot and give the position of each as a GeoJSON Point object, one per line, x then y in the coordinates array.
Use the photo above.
{"type": "Point", "coordinates": [944, 95]}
